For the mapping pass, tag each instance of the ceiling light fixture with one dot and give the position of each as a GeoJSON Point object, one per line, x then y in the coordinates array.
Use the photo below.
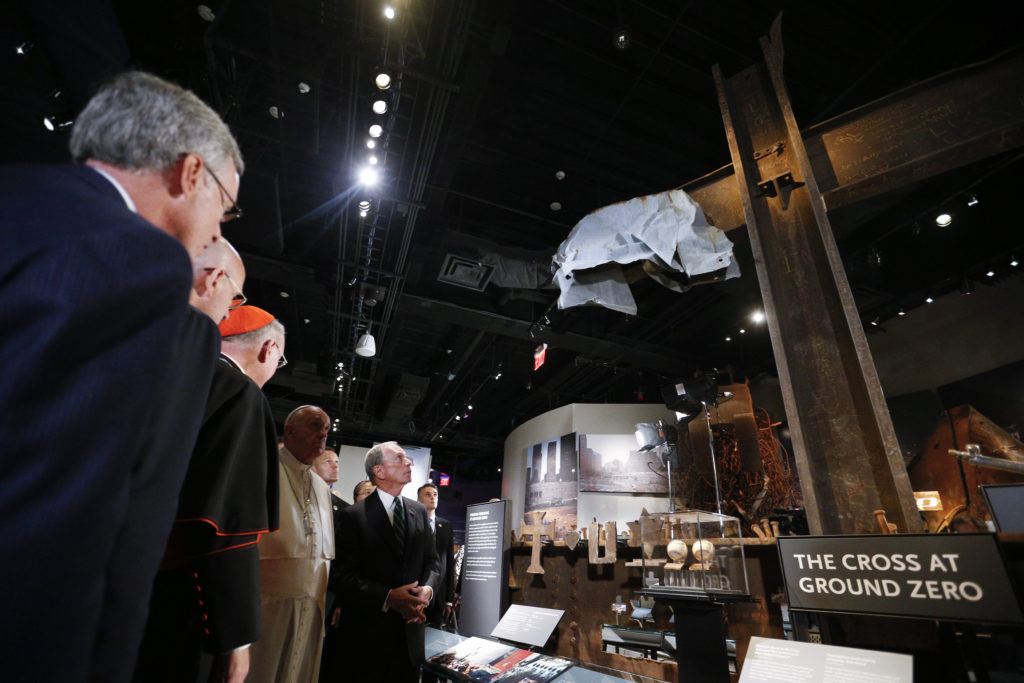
{"type": "Point", "coordinates": [966, 287]}
{"type": "Point", "coordinates": [943, 220]}
{"type": "Point", "coordinates": [728, 339]}
{"type": "Point", "coordinates": [757, 317]}
{"type": "Point", "coordinates": [929, 300]}
{"type": "Point", "coordinates": [373, 159]}
{"type": "Point", "coordinates": [990, 273]}
{"type": "Point", "coordinates": [742, 331]}
{"type": "Point", "coordinates": [376, 130]}
{"type": "Point", "coordinates": [972, 200]}
{"type": "Point", "coordinates": [55, 123]}
{"type": "Point", "coordinates": [366, 346]}
{"type": "Point", "coordinates": [622, 37]}
{"type": "Point", "coordinates": [559, 175]}
{"type": "Point", "coordinates": [205, 13]}
{"type": "Point", "coordinates": [901, 312]}
{"type": "Point", "coordinates": [371, 144]}
{"type": "Point", "coordinates": [368, 176]}
{"type": "Point", "coordinates": [304, 87]}
{"type": "Point", "coordinates": [1014, 262]}
{"type": "Point", "coordinates": [363, 214]}
{"type": "Point", "coordinates": [23, 48]}
{"type": "Point", "coordinates": [284, 295]}
{"type": "Point", "coordinates": [389, 12]}
{"type": "Point", "coordinates": [380, 106]}
{"type": "Point", "coordinates": [383, 81]}
{"type": "Point", "coordinates": [275, 112]}
{"type": "Point", "coordinates": [363, 206]}
{"type": "Point", "coordinates": [556, 206]}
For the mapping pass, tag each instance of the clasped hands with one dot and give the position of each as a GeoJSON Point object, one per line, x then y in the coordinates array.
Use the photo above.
{"type": "Point", "coordinates": [410, 601]}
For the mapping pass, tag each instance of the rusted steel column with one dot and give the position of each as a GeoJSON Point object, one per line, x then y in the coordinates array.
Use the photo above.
{"type": "Point", "coordinates": [846, 451]}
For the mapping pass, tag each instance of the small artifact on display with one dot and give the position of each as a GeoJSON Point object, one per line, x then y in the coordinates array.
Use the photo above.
{"type": "Point", "coordinates": [605, 537]}
{"type": "Point", "coordinates": [703, 552]}
{"type": "Point", "coordinates": [536, 529]}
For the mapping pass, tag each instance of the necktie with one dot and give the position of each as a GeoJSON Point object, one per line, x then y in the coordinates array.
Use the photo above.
{"type": "Point", "coordinates": [399, 522]}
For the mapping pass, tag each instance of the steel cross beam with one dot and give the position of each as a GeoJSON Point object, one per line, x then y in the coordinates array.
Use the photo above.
{"type": "Point", "coordinates": [948, 121]}
{"type": "Point", "coordinates": [846, 451]}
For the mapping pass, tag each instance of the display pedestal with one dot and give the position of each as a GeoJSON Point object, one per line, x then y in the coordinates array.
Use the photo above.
{"type": "Point", "coordinates": [701, 653]}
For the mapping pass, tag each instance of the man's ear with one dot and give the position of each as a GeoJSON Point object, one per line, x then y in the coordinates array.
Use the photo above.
{"type": "Point", "coordinates": [209, 282]}
{"type": "Point", "coordinates": [264, 353]}
{"type": "Point", "coordinates": [189, 174]}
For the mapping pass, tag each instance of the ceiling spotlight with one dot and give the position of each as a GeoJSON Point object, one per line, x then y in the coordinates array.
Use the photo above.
{"type": "Point", "coordinates": [901, 312]}
{"type": "Point", "coordinates": [469, 407]}
{"type": "Point", "coordinates": [383, 81]}
{"type": "Point", "coordinates": [874, 322]}
{"type": "Point", "coordinates": [205, 13]}
{"type": "Point", "coordinates": [373, 159]}
{"type": "Point", "coordinates": [556, 206]}
{"type": "Point", "coordinates": [621, 38]}
{"type": "Point", "coordinates": [380, 106]}
{"type": "Point", "coordinates": [376, 130]}
{"type": "Point", "coordinates": [55, 123]}
{"type": "Point", "coordinates": [742, 331]}
{"type": "Point", "coordinates": [966, 287]}
{"type": "Point", "coordinates": [458, 417]}
{"type": "Point", "coordinates": [990, 273]}
{"type": "Point", "coordinates": [389, 12]}
{"type": "Point", "coordinates": [363, 214]}
{"type": "Point", "coordinates": [728, 339]}
{"type": "Point", "coordinates": [1014, 262]}
{"type": "Point", "coordinates": [757, 317]}
{"type": "Point", "coordinates": [275, 112]}
{"type": "Point", "coordinates": [559, 175]}
{"type": "Point", "coordinates": [368, 176]}
{"type": "Point", "coordinates": [929, 300]}
{"type": "Point", "coordinates": [371, 144]}
{"type": "Point", "coordinates": [23, 48]}
{"type": "Point", "coordinates": [972, 200]}
{"type": "Point", "coordinates": [943, 220]}
{"type": "Point", "coordinates": [304, 87]}
{"type": "Point", "coordinates": [284, 295]}
{"type": "Point", "coordinates": [363, 206]}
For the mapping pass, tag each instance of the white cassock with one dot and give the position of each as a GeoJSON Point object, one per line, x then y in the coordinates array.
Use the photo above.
{"type": "Point", "coordinates": [294, 565]}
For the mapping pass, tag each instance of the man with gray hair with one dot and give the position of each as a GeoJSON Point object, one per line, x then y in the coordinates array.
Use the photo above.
{"type": "Point", "coordinates": [105, 353]}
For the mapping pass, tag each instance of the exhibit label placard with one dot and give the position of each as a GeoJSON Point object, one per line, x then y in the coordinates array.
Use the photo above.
{"type": "Point", "coordinates": [484, 568]}
{"type": "Point", "coordinates": [529, 625]}
{"type": "Point", "coordinates": [954, 577]}
{"type": "Point", "coordinates": [770, 660]}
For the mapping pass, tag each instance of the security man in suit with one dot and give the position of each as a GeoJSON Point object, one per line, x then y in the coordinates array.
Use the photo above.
{"type": "Point", "coordinates": [439, 611]}
{"type": "Point", "coordinates": [388, 572]}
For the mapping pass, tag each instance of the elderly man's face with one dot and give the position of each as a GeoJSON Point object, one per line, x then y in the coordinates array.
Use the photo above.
{"type": "Point", "coordinates": [210, 196]}
{"type": "Point", "coordinates": [327, 466]}
{"type": "Point", "coordinates": [395, 467]}
{"type": "Point", "coordinates": [306, 435]}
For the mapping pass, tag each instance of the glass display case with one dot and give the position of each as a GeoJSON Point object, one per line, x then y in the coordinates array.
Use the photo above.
{"type": "Point", "coordinates": [693, 552]}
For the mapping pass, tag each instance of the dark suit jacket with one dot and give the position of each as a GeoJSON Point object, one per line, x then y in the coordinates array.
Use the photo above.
{"type": "Point", "coordinates": [446, 559]}
{"type": "Point", "coordinates": [382, 646]}
{"type": "Point", "coordinates": [98, 412]}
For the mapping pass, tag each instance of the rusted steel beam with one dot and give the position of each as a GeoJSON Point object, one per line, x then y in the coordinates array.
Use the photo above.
{"type": "Point", "coordinates": [846, 451]}
{"type": "Point", "coordinates": [948, 121]}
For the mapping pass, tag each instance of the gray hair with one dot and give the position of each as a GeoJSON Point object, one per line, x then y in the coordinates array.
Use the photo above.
{"type": "Point", "coordinates": [138, 122]}
{"type": "Point", "coordinates": [256, 337]}
{"type": "Point", "coordinates": [374, 457]}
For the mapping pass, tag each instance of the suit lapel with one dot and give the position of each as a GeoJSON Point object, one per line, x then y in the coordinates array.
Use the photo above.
{"type": "Point", "coordinates": [380, 525]}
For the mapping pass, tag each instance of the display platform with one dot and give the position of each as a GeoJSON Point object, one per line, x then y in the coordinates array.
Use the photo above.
{"type": "Point", "coordinates": [437, 642]}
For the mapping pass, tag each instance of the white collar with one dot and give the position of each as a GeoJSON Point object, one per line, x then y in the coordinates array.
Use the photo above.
{"type": "Point", "coordinates": [119, 187]}
{"type": "Point", "coordinates": [386, 499]}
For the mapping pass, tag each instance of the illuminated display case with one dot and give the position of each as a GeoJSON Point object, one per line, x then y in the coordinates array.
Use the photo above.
{"type": "Point", "coordinates": [693, 552]}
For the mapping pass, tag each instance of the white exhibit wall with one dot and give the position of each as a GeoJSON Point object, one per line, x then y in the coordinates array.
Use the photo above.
{"type": "Point", "coordinates": [581, 418]}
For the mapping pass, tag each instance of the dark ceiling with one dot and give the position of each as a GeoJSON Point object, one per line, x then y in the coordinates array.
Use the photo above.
{"type": "Point", "coordinates": [489, 101]}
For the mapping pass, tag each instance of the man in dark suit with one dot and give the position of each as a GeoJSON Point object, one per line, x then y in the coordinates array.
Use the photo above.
{"type": "Point", "coordinates": [388, 572]}
{"type": "Point", "coordinates": [104, 353]}
{"type": "Point", "coordinates": [439, 611]}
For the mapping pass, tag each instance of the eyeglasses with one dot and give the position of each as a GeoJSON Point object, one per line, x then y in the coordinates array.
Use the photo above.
{"type": "Point", "coordinates": [239, 298]}
{"type": "Point", "coordinates": [232, 212]}
{"type": "Point", "coordinates": [282, 361]}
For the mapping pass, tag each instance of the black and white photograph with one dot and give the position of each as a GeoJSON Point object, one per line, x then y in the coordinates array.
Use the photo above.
{"type": "Point", "coordinates": [613, 463]}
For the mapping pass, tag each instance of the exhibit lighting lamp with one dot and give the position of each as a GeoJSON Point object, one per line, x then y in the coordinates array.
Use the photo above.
{"type": "Point", "coordinates": [371, 144]}
{"type": "Point", "coordinates": [380, 106]}
{"type": "Point", "coordinates": [373, 160]}
{"type": "Point", "coordinates": [383, 81]}
{"type": "Point", "coordinates": [376, 130]}
{"type": "Point", "coordinates": [366, 346]}
{"type": "Point", "coordinates": [943, 220]}
{"type": "Point", "coordinates": [368, 176]}
{"type": "Point", "coordinates": [389, 12]}
{"type": "Point", "coordinates": [1014, 262]}
{"type": "Point", "coordinates": [972, 200]}
{"type": "Point", "coordinates": [757, 317]}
